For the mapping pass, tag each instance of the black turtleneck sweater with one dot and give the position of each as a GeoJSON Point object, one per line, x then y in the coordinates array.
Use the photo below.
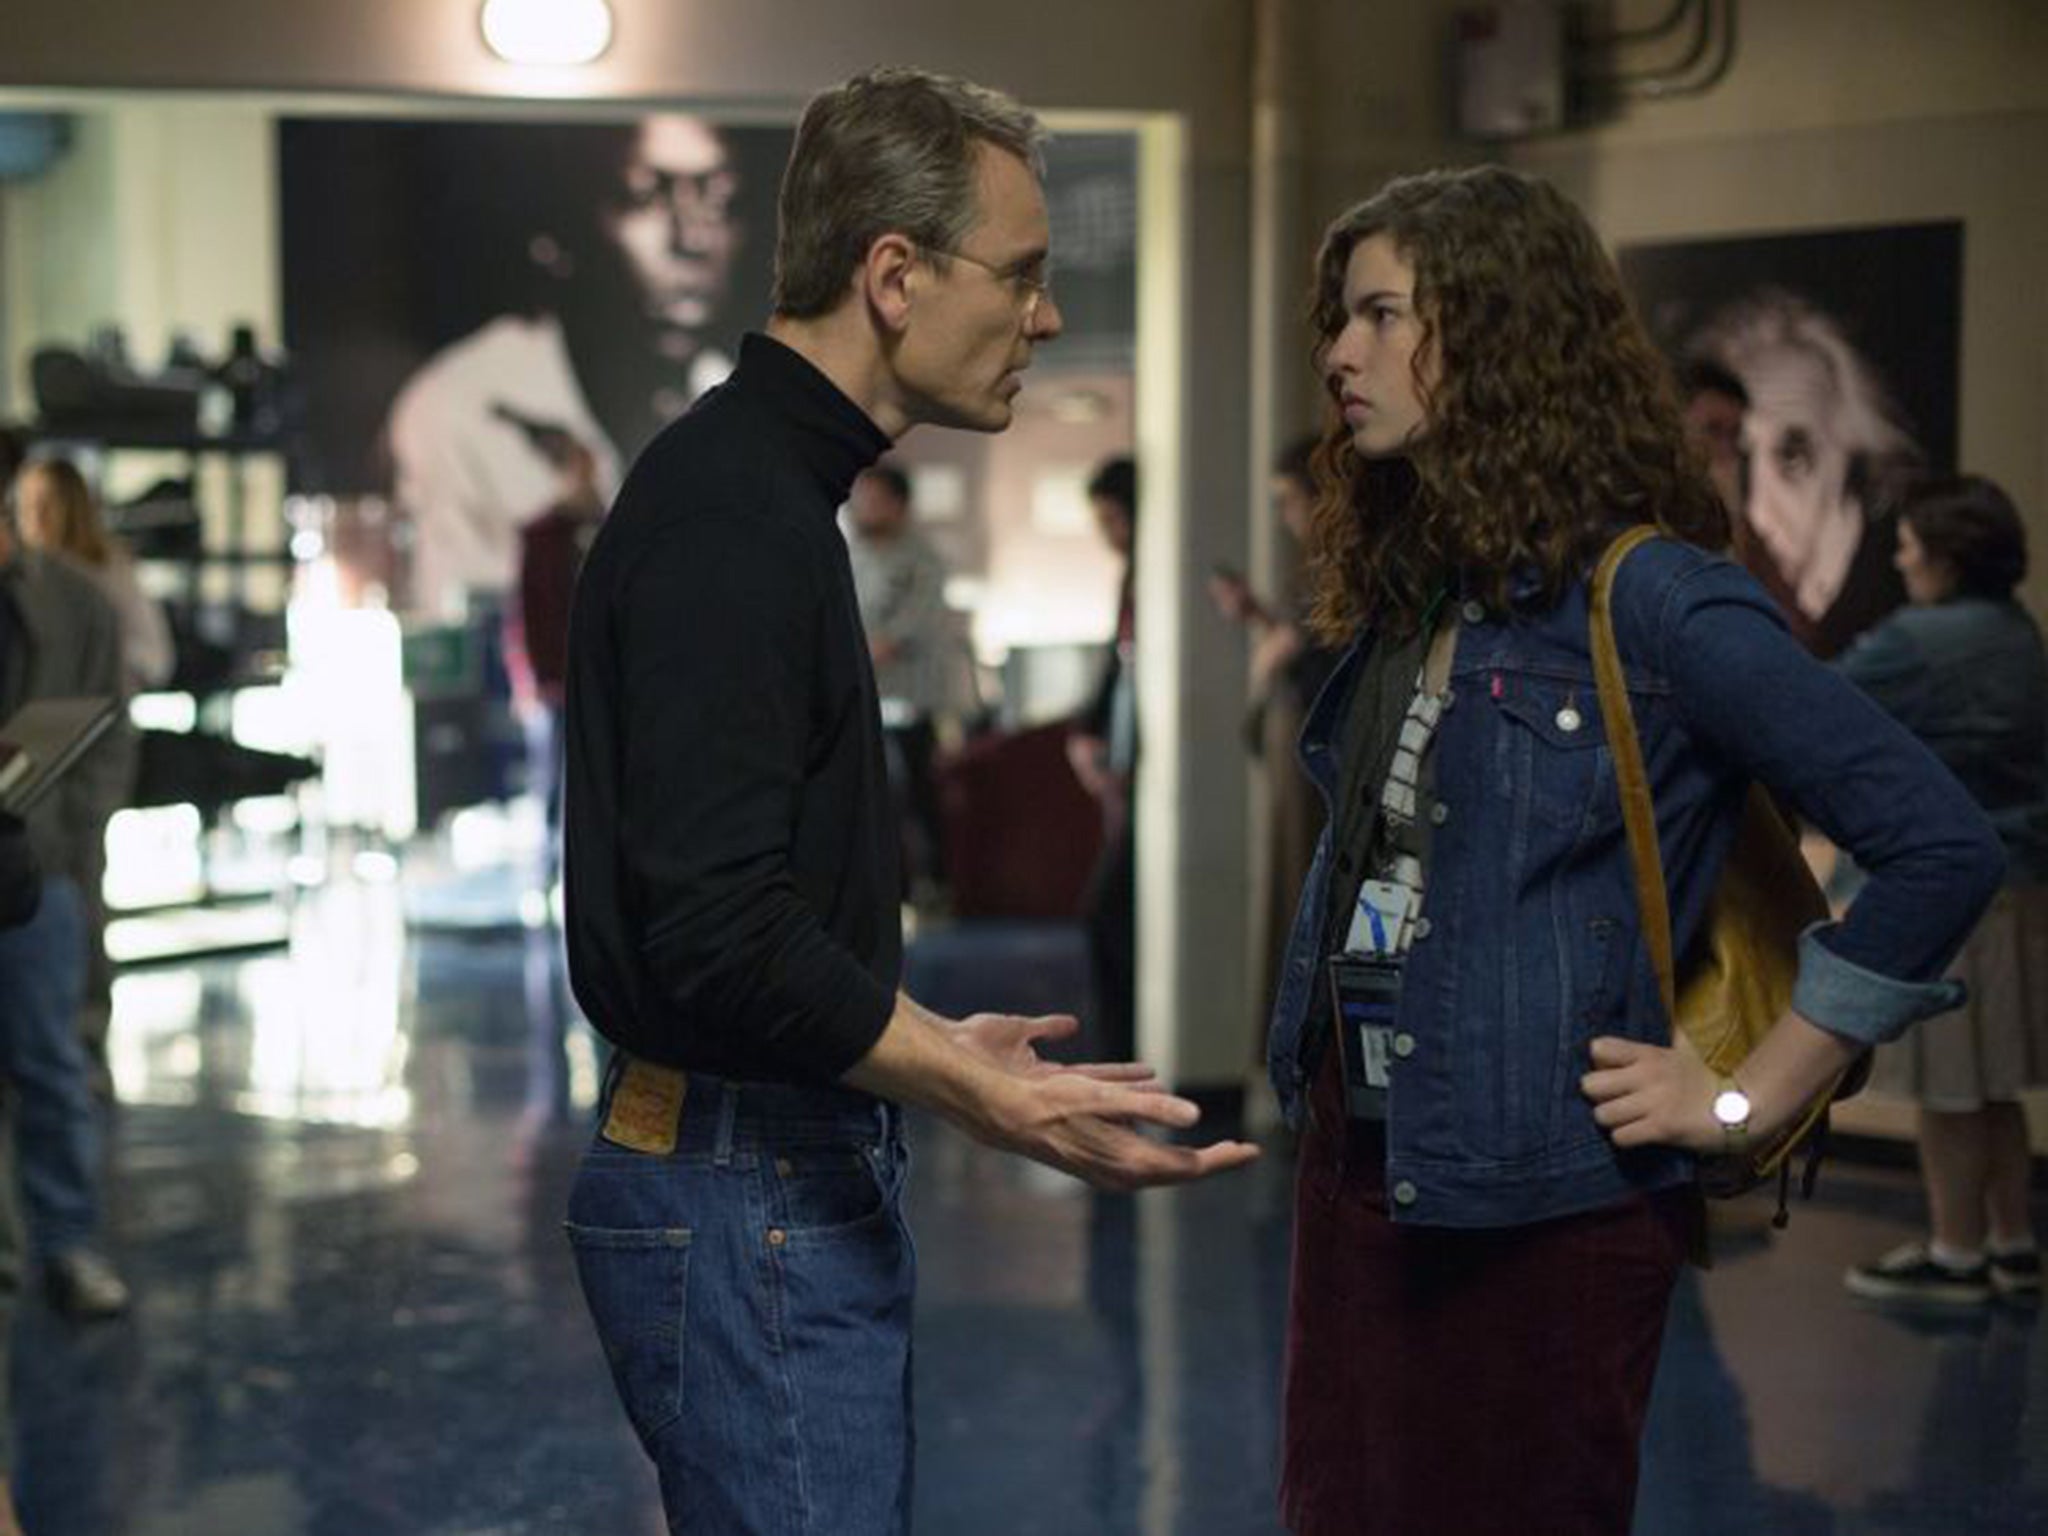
{"type": "Point", "coordinates": [730, 852]}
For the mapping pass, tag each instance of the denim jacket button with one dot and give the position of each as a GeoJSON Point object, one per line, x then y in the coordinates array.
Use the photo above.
{"type": "Point", "coordinates": [1473, 613]}
{"type": "Point", "coordinates": [1439, 814]}
{"type": "Point", "coordinates": [1422, 928]}
{"type": "Point", "coordinates": [1404, 1044]}
{"type": "Point", "coordinates": [1404, 1193]}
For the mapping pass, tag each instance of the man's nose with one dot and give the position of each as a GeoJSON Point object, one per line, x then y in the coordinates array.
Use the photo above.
{"type": "Point", "coordinates": [1048, 322]}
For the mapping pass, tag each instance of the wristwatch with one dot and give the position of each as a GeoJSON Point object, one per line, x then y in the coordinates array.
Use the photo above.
{"type": "Point", "coordinates": [1731, 1113]}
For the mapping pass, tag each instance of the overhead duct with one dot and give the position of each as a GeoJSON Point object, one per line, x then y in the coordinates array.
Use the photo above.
{"type": "Point", "coordinates": [1706, 61]}
{"type": "Point", "coordinates": [1527, 67]}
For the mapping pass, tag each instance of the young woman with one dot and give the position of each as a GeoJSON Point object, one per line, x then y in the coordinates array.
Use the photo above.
{"type": "Point", "coordinates": [1496, 1179]}
{"type": "Point", "coordinates": [57, 512]}
{"type": "Point", "coordinates": [1962, 668]}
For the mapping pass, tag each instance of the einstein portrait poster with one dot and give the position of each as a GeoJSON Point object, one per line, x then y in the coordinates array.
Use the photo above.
{"type": "Point", "coordinates": [1847, 343]}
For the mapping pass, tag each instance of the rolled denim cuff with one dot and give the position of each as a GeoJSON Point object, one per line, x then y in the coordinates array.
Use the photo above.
{"type": "Point", "coordinates": [1860, 1005]}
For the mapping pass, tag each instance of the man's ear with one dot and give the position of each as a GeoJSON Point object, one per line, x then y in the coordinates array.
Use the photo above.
{"type": "Point", "coordinates": [889, 279]}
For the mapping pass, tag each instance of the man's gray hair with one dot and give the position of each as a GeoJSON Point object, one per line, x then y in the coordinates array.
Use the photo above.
{"type": "Point", "coordinates": [889, 151]}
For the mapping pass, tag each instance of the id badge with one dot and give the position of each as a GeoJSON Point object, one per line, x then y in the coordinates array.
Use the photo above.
{"type": "Point", "coordinates": [1379, 923]}
{"type": "Point", "coordinates": [1365, 995]}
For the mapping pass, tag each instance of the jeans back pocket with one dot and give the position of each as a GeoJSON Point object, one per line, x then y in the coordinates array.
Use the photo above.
{"type": "Point", "coordinates": [636, 1284]}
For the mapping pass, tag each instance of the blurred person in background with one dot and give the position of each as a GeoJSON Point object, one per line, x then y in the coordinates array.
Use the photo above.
{"type": "Point", "coordinates": [1102, 747]}
{"type": "Point", "coordinates": [21, 890]}
{"type": "Point", "coordinates": [58, 513]}
{"type": "Point", "coordinates": [1288, 670]}
{"type": "Point", "coordinates": [900, 582]}
{"type": "Point", "coordinates": [1962, 667]}
{"type": "Point", "coordinates": [59, 639]}
{"type": "Point", "coordinates": [551, 550]}
{"type": "Point", "coordinates": [21, 884]}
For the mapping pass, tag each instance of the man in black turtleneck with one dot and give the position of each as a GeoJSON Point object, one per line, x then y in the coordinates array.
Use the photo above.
{"type": "Point", "coordinates": [731, 851]}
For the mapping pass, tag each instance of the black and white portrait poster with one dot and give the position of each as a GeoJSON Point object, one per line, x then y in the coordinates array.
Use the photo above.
{"type": "Point", "coordinates": [486, 315]}
{"type": "Point", "coordinates": [1844, 345]}
{"type": "Point", "coordinates": [482, 313]}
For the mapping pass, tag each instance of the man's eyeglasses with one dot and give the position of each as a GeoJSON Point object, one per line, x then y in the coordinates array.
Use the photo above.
{"type": "Point", "coordinates": [1031, 282]}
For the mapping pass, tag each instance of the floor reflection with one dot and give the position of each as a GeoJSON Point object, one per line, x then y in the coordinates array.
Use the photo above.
{"type": "Point", "coordinates": [339, 1178]}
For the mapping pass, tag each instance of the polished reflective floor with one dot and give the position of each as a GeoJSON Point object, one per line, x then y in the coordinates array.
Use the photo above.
{"type": "Point", "coordinates": [337, 1190]}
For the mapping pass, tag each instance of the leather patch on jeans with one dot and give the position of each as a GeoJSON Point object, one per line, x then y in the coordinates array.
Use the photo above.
{"type": "Point", "coordinates": [647, 1108]}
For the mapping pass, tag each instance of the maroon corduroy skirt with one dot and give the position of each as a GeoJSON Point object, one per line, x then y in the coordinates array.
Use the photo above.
{"type": "Point", "coordinates": [1459, 1383]}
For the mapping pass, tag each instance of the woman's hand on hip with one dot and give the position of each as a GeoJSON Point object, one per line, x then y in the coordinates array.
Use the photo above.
{"type": "Point", "coordinates": [1653, 1095]}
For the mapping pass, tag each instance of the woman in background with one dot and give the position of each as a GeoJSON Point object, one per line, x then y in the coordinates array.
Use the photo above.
{"type": "Point", "coordinates": [1288, 670]}
{"type": "Point", "coordinates": [58, 513]}
{"type": "Point", "coordinates": [1962, 668]}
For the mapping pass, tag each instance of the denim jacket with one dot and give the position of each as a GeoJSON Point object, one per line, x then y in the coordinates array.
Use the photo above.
{"type": "Point", "coordinates": [1969, 678]}
{"type": "Point", "coordinates": [1529, 942]}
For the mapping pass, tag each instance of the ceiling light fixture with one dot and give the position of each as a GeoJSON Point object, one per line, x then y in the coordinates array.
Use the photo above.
{"type": "Point", "coordinates": [547, 31]}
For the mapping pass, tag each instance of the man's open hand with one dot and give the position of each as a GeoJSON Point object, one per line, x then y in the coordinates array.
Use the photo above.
{"type": "Point", "coordinates": [1011, 1041]}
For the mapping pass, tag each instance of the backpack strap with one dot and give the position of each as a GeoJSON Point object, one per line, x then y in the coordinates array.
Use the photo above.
{"type": "Point", "coordinates": [1637, 810]}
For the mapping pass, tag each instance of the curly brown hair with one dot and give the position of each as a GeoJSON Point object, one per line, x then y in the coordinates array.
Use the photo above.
{"type": "Point", "coordinates": [1552, 421]}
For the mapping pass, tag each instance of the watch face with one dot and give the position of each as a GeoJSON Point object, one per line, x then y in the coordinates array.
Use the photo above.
{"type": "Point", "coordinates": [1731, 1106]}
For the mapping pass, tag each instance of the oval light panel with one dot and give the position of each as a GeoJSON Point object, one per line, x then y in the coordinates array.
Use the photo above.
{"type": "Point", "coordinates": [547, 31]}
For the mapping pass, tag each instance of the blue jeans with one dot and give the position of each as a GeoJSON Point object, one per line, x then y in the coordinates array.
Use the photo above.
{"type": "Point", "coordinates": [57, 1134]}
{"type": "Point", "coordinates": [752, 1291]}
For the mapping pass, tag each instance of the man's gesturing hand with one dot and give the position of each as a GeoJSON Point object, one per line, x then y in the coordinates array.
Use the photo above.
{"type": "Point", "coordinates": [1087, 1126]}
{"type": "Point", "coordinates": [1011, 1041]}
{"type": "Point", "coordinates": [985, 1075]}
{"type": "Point", "coordinates": [1082, 1129]}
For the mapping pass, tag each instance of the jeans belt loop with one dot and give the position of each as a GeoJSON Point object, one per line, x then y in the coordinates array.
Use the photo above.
{"type": "Point", "coordinates": [728, 1115]}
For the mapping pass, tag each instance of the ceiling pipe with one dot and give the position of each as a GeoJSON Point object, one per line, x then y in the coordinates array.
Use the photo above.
{"type": "Point", "coordinates": [1661, 28]}
{"type": "Point", "coordinates": [1668, 86]}
{"type": "Point", "coordinates": [1696, 51]}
